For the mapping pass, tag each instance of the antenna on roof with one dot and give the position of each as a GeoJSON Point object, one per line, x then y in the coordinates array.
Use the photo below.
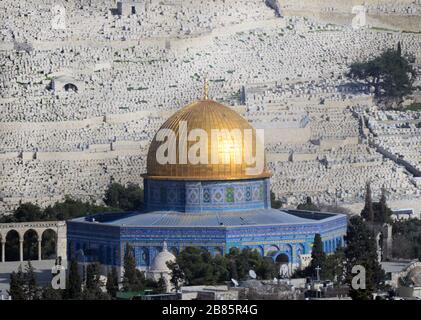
{"type": "Point", "coordinates": [252, 274]}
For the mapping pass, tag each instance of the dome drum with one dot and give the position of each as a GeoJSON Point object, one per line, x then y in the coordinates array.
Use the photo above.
{"type": "Point", "coordinates": [198, 196]}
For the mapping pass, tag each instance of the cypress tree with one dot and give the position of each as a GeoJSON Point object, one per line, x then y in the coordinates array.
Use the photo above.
{"type": "Point", "coordinates": [318, 256]}
{"type": "Point", "coordinates": [368, 211]}
{"type": "Point", "coordinates": [361, 250]}
{"type": "Point", "coordinates": [384, 211]}
{"type": "Point", "coordinates": [92, 290]}
{"type": "Point", "coordinates": [74, 282]}
{"type": "Point", "coordinates": [31, 288]}
{"type": "Point", "coordinates": [130, 280]}
{"type": "Point", "coordinates": [112, 282]}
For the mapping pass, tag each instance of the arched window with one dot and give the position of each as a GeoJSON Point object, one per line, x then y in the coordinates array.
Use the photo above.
{"type": "Point", "coordinates": [70, 87]}
{"type": "Point", "coordinates": [30, 245]}
{"type": "Point", "coordinates": [12, 246]}
{"type": "Point", "coordinates": [49, 244]}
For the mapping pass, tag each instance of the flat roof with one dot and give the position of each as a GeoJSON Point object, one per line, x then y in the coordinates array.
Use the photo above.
{"type": "Point", "coordinates": [209, 218]}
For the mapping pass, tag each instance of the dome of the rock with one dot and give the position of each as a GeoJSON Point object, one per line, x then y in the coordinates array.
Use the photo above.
{"type": "Point", "coordinates": [215, 207]}
{"type": "Point", "coordinates": [208, 116]}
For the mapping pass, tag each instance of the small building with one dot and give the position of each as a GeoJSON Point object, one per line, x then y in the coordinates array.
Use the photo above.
{"type": "Point", "coordinates": [404, 214]}
{"type": "Point", "coordinates": [393, 270]}
{"type": "Point", "coordinates": [145, 295]}
{"type": "Point", "coordinates": [130, 7]}
{"type": "Point", "coordinates": [66, 83]}
{"type": "Point", "coordinates": [159, 268]}
{"type": "Point", "coordinates": [222, 292]}
{"type": "Point", "coordinates": [410, 281]}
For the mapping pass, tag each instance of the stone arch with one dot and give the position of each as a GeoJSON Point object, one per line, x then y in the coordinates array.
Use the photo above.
{"type": "Point", "coordinates": [49, 244]}
{"type": "Point", "coordinates": [338, 242]}
{"type": "Point", "coordinates": [25, 240]}
{"type": "Point", "coordinates": [30, 244]}
{"type": "Point", "coordinates": [287, 248]}
{"type": "Point", "coordinates": [282, 258]}
{"type": "Point", "coordinates": [271, 250]}
{"type": "Point", "coordinates": [143, 256]}
{"type": "Point", "coordinates": [283, 261]}
{"type": "Point", "coordinates": [70, 87]}
{"type": "Point", "coordinates": [300, 249]}
{"type": "Point", "coordinates": [12, 252]}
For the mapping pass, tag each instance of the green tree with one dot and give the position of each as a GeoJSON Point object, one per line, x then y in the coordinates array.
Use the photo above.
{"type": "Point", "coordinates": [196, 266]}
{"type": "Point", "coordinates": [368, 211]}
{"type": "Point", "coordinates": [48, 293]}
{"type": "Point", "coordinates": [161, 286]}
{"type": "Point", "coordinates": [28, 212]}
{"type": "Point", "coordinates": [17, 283]}
{"type": "Point", "coordinates": [133, 279]}
{"type": "Point", "coordinates": [240, 262]}
{"type": "Point", "coordinates": [23, 285]}
{"type": "Point", "coordinates": [383, 214]}
{"type": "Point", "coordinates": [335, 266]}
{"type": "Point", "coordinates": [308, 205]}
{"type": "Point", "coordinates": [112, 282]}
{"type": "Point", "coordinates": [376, 212]}
{"type": "Point", "coordinates": [30, 287]}
{"type": "Point", "coordinates": [177, 275]}
{"type": "Point", "coordinates": [199, 267]}
{"type": "Point", "coordinates": [71, 208]}
{"type": "Point", "coordinates": [361, 250]}
{"type": "Point", "coordinates": [74, 283]}
{"type": "Point", "coordinates": [92, 290]}
{"type": "Point", "coordinates": [68, 209]}
{"type": "Point", "coordinates": [391, 74]}
{"type": "Point", "coordinates": [318, 257]}
{"type": "Point", "coordinates": [266, 269]}
{"type": "Point", "coordinates": [407, 239]}
{"type": "Point", "coordinates": [126, 198]}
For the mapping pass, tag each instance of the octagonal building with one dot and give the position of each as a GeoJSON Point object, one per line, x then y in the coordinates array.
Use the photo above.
{"type": "Point", "coordinates": [215, 205]}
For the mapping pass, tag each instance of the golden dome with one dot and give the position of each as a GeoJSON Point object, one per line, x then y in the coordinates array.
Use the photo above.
{"type": "Point", "coordinates": [207, 115]}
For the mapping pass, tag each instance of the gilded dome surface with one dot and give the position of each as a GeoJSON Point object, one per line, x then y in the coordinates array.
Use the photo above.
{"type": "Point", "coordinates": [209, 116]}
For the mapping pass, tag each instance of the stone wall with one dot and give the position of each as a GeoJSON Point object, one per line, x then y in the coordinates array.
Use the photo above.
{"type": "Point", "coordinates": [340, 12]}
